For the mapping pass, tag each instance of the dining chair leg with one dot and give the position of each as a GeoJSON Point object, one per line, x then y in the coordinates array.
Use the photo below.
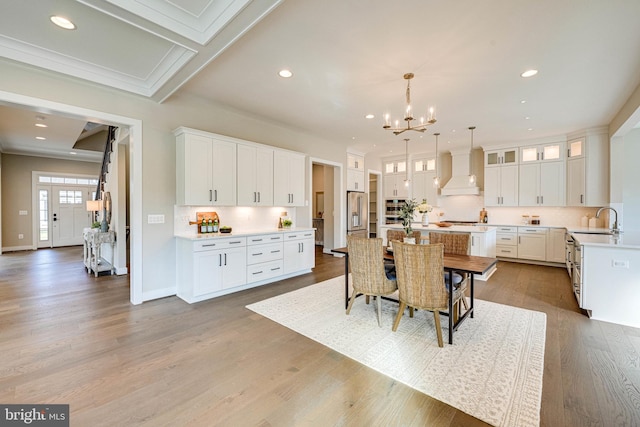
{"type": "Point", "coordinates": [379, 300]}
{"type": "Point", "coordinates": [367, 299]}
{"type": "Point", "coordinates": [436, 317]}
{"type": "Point", "coordinates": [351, 300]}
{"type": "Point", "coordinates": [396, 322]}
{"type": "Point", "coordinates": [411, 312]}
{"type": "Point", "coordinates": [465, 303]}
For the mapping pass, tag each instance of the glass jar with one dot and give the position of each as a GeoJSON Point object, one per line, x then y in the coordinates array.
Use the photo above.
{"type": "Point", "coordinates": [535, 220]}
{"type": "Point", "coordinates": [525, 219]}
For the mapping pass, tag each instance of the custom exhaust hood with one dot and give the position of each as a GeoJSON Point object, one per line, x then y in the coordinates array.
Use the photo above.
{"type": "Point", "coordinates": [459, 182]}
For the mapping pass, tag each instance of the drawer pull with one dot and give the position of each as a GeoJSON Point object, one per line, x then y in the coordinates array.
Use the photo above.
{"type": "Point", "coordinates": [209, 245]}
{"type": "Point", "coordinates": [275, 252]}
{"type": "Point", "coordinates": [275, 269]}
{"type": "Point", "coordinates": [235, 243]}
{"type": "Point", "coordinates": [257, 254]}
{"type": "Point", "coordinates": [257, 272]}
{"type": "Point", "coordinates": [256, 240]}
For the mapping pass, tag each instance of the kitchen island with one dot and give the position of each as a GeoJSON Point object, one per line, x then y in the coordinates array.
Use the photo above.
{"type": "Point", "coordinates": [607, 276]}
{"type": "Point", "coordinates": [483, 239]}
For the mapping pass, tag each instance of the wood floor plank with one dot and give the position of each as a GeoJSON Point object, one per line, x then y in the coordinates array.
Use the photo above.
{"type": "Point", "coordinates": [68, 337]}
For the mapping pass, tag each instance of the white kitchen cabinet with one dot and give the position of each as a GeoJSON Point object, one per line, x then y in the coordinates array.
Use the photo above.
{"type": "Point", "coordinates": [288, 178]}
{"type": "Point", "coordinates": [424, 171]}
{"type": "Point", "coordinates": [265, 255]}
{"type": "Point", "coordinates": [355, 172]}
{"type": "Point", "coordinates": [355, 161]}
{"type": "Point", "coordinates": [532, 243]}
{"type": "Point", "coordinates": [255, 176]}
{"type": "Point", "coordinates": [205, 169]}
{"type": "Point", "coordinates": [541, 184]}
{"type": "Point", "coordinates": [556, 245]}
{"type": "Point", "coordinates": [507, 242]}
{"type": "Point", "coordinates": [394, 186]}
{"type": "Point", "coordinates": [209, 267]}
{"type": "Point", "coordinates": [588, 170]}
{"type": "Point", "coordinates": [355, 180]}
{"type": "Point", "coordinates": [299, 251]}
{"type": "Point", "coordinates": [501, 157]}
{"type": "Point", "coordinates": [483, 244]}
{"type": "Point", "coordinates": [553, 151]}
{"type": "Point", "coordinates": [501, 186]}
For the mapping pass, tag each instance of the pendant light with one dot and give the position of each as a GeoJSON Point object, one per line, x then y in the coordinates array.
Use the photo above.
{"type": "Point", "coordinates": [436, 179]}
{"type": "Point", "coordinates": [406, 165]}
{"type": "Point", "coordinates": [472, 177]}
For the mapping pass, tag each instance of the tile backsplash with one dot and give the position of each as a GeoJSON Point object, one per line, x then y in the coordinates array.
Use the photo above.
{"type": "Point", "coordinates": [240, 218]}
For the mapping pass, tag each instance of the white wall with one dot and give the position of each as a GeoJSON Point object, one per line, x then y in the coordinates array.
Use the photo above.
{"type": "Point", "coordinates": [630, 178]}
{"type": "Point", "coordinates": [157, 174]}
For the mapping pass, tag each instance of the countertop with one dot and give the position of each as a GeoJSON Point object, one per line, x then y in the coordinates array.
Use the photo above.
{"type": "Point", "coordinates": [242, 233]}
{"type": "Point", "coordinates": [628, 240]}
{"type": "Point", "coordinates": [433, 227]}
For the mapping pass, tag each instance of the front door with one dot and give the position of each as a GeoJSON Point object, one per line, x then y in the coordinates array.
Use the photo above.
{"type": "Point", "coordinates": [62, 215]}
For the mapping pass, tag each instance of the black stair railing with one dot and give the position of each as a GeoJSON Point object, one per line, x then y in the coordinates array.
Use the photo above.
{"type": "Point", "coordinates": [106, 159]}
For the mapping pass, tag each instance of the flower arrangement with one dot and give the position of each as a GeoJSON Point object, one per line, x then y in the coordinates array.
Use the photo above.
{"type": "Point", "coordinates": [406, 214]}
{"type": "Point", "coordinates": [424, 207]}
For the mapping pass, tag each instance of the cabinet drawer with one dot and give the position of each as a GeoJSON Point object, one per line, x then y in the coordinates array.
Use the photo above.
{"type": "Point", "coordinates": [264, 238]}
{"type": "Point", "coordinates": [300, 235]}
{"type": "Point", "coordinates": [504, 229]}
{"type": "Point", "coordinates": [507, 251]}
{"type": "Point", "coordinates": [264, 271]}
{"type": "Point", "coordinates": [214, 244]}
{"type": "Point", "coordinates": [507, 239]}
{"type": "Point", "coordinates": [532, 230]}
{"type": "Point", "coordinates": [264, 253]}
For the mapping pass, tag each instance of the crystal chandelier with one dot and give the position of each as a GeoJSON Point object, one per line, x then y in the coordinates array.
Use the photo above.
{"type": "Point", "coordinates": [408, 115]}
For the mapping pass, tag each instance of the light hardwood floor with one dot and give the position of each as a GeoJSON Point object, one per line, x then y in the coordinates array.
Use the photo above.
{"type": "Point", "coordinates": [67, 337]}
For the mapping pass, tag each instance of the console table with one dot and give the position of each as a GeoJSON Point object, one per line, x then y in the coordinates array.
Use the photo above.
{"type": "Point", "coordinates": [93, 241]}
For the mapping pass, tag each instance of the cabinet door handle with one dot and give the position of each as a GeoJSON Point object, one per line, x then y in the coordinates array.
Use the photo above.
{"type": "Point", "coordinates": [257, 254]}
{"type": "Point", "coordinates": [219, 260]}
{"type": "Point", "coordinates": [236, 242]}
{"type": "Point", "coordinates": [211, 244]}
{"type": "Point", "coordinates": [216, 194]}
{"type": "Point", "coordinates": [542, 200]}
{"type": "Point", "coordinates": [582, 198]}
{"type": "Point", "coordinates": [225, 259]}
{"type": "Point", "coordinates": [275, 252]}
{"type": "Point", "coordinates": [258, 197]}
{"type": "Point", "coordinates": [257, 272]}
{"type": "Point", "coordinates": [211, 195]}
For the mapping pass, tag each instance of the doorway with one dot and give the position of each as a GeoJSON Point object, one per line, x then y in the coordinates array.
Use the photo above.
{"type": "Point", "coordinates": [62, 215]}
{"type": "Point", "coordinates": [374, 205]}
{"type": "Point", "coordinates": [134, 190]}
{"type": "Point", "coordinates": [326, 182]}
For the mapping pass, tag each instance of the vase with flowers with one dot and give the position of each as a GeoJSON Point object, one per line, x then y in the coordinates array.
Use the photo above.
{"type": "Point", "coordinates": [406, 215]}
{"type": "Point", "coordinates": [424, 208]}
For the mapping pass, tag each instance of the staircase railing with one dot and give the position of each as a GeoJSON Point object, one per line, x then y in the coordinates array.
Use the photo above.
{"type": "Point", "coordinates": [106, 159]}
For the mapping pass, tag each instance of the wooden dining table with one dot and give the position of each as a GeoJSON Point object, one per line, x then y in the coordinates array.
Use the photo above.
{"type": "Point", "coordinates": [471, 264]}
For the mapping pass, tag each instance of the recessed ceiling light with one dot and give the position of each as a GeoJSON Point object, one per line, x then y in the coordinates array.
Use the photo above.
{"type": "Point", "coordinates": [41, 125]}
{"type": "Point", "coordinates": [73, 153]}
{"type": "Point", "coordinates": [41, 138]}
{"type": "Point", "coordinates": [285, 73]}
{"type": "Point", "coordinates": [62, 22]}
{"type": "Point", "coordinates": [369, 116]}
{"type": "Point", "coordinates": [530, 129]}
{"type": "Point", "coordinates": [524, 101]}
{"type": "Point", "coordinates": [527, 118]}
{"type": "Point", "coordinates": [529, 73]}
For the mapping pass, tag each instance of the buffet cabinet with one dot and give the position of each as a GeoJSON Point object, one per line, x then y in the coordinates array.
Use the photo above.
{"type": "Point", "coordinates": [212, 267]}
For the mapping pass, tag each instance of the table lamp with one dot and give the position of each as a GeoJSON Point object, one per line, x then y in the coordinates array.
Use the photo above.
{"type": "Point", "coordinates": [94, 206]}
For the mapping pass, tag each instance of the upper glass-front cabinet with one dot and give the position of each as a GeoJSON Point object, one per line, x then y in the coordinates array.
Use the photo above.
{"type": "Point", "coordinates": [424, 165]}
{"type": "Point", "coordinates": [501, 157]}
{"type": "Point", "coordinates": [541, 153]}
{"type": "Point", "coordinates": [576, 148]}
{"type": "Point", "coordinates": [395, 167]}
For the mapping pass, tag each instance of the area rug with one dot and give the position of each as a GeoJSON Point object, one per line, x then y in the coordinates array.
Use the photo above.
{"type": "Point", "coordinates": [493, 371]}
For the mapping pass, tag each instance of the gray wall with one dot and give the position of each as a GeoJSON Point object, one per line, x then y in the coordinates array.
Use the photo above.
{"type": "Point", "coordinates": [16, 191]}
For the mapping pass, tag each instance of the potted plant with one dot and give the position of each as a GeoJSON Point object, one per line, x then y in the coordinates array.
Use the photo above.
{"type": "Point", "coordinates": [424, 208]}
{"type": "Point", "coordinates": [286, 223]}
{"type": "Point", "coordinates": [406, 214]}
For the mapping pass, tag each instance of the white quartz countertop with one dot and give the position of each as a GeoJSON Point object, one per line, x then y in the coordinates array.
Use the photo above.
{"type": "Point", "coordinates": [241, 233]}
{"type": "Point", "coordinates": [433, 227]}
{"type": "Point", "coordinates": [629, 240]}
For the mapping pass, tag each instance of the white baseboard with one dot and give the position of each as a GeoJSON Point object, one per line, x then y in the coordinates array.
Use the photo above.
{"type": "Point", "coordinates": [121, 271]}
{"type": "Point", "coordinates": [18, 248]}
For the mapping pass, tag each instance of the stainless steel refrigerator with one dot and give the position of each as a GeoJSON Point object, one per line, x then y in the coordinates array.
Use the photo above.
{"type": "Point", "coordinates": [357, 213]}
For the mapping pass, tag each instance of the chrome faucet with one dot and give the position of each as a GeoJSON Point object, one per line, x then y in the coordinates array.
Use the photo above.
{"type": "Point", "coordinates": [615, 229]}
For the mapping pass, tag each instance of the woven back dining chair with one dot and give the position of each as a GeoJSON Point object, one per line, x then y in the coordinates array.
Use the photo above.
{"type": "Point", "coordinates": [458, 244]}
{"type": "Point", "coordinates": [368, 274]}
{"type": "Point", "coordinates": [420, 278]}
{"type": "Point", "coordinates": [399, 235]}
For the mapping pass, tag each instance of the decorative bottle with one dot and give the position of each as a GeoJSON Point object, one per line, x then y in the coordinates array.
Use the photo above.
{"type": "Point", "coordinates": [203, 226]}
{"type": "Point", "coordinates": [215, 225]}
{"type": "Point", "coordinates": [210, 226]}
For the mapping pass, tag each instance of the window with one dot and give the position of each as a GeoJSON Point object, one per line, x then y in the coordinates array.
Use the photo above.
{"type": "Point", "coordinates": [43, 208]}
{"type": "Point", "coordinates": [70, 197]}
